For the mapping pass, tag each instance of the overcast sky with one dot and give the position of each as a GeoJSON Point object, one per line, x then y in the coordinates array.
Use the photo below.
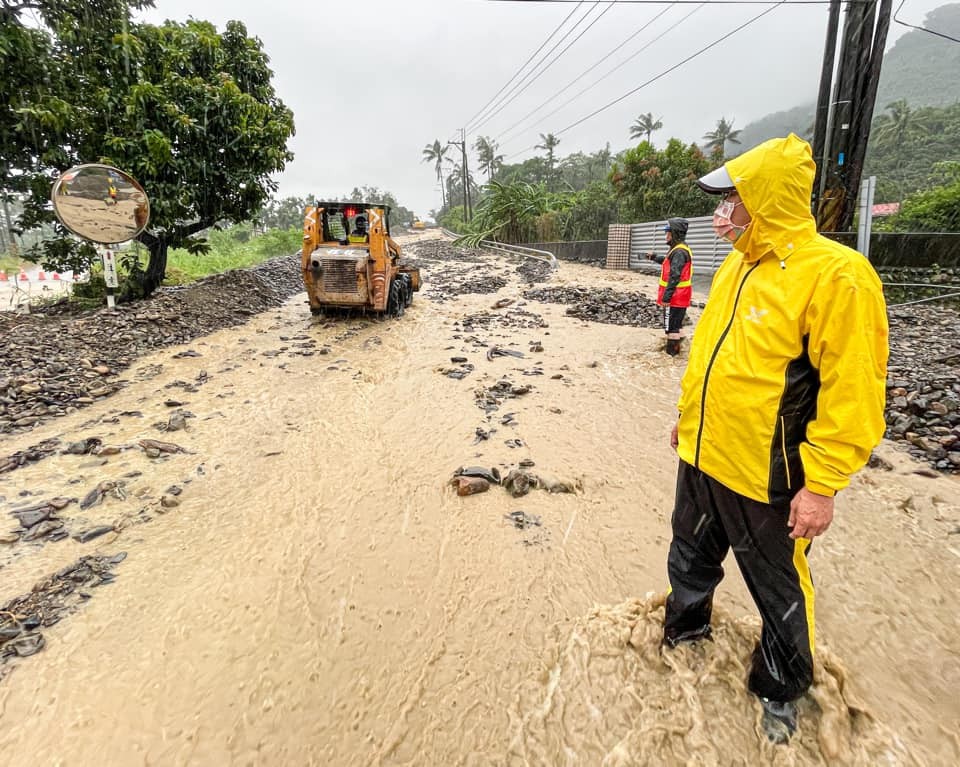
{"type": "Point", "coordinates": [371, 83]}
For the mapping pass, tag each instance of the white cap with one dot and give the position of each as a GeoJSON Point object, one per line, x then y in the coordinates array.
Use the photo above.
{"type": "Point", "coordinates": [716, 181]}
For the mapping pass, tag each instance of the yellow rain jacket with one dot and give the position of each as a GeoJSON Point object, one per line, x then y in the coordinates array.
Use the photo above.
{"type": "Point", "coordinates": [786, 380]}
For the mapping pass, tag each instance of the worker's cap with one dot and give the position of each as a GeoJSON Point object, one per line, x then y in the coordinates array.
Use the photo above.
{"type": "Point", "coordinates": [716, 181]}
{"type": "Point", "coordinates": [665, 228]}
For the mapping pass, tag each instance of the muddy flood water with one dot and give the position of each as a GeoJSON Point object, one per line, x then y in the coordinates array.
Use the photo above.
{"type": "Point", "coordinates": [303, 586]}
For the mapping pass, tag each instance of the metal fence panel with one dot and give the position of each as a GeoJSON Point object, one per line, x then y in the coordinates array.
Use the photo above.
{"type": "Point", "coordinates": [708, 250]}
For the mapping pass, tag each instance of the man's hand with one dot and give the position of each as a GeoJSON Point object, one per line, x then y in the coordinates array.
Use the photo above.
{"type": "Point", "coordinates": [674, 437]}
{"type": "Point", "coordinates": [810, 514]}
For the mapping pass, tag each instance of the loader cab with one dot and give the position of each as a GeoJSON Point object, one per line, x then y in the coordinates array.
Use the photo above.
{"type": "Point", "coordinates": [350, 223]}
{"type": "Point", "coordinates": [358, 229]}
{"type": "Point", "coordinates": [335, 226]}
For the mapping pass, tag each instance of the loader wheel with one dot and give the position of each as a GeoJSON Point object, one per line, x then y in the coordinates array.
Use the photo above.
{"type": "Point", "coordinates": [395, 300]}
{"type": "Point", "coordinates": [406, 289]}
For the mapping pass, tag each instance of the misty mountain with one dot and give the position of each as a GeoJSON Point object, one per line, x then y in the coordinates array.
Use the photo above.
{"type": "Point", "coordinates": [920, 68]}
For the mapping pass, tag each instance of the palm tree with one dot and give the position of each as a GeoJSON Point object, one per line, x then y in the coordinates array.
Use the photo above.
{"type": "Point", "coordinates": [455, 191]}
{"type": "Point", "coordinates": [645, 125]}
{"type": "Point", "coordinates": [717, 139]}
{"type": "Point", "coordinates": [490, 161]}
{"type": "Point", "coordinates": [550, 143]}
{"type": "Point", "coordinates": [604, 156]}
{"type": "Point", "coordinates": [898, 129]}
{"type": "Point", "coordinates": [899, 126]}
{"type": "Point", "coordinates": [435, 153]}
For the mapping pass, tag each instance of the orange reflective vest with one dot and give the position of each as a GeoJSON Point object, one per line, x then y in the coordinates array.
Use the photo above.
{"type": "Point", "coordinates": [684, 290]}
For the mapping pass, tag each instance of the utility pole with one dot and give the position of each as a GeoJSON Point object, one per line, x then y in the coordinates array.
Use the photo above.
{"type": "Point", "coordinates": [821, 123]}
{"type": "Point", "coordinates": [464, 174]}
{"type": "Point", "coordinates": [842, 137]}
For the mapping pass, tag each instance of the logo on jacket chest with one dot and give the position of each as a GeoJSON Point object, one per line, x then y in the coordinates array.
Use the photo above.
{"type": "Point", "coordinates": [755, 315]}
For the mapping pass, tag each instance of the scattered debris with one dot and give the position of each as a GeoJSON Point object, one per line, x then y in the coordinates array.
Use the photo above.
{"type": "Point", "coordinates": [34, 453]}
{"type": "Point", "coordinates": [470, 485]}
{"type": "Point", "coordinates": [496, 351]}
{"type": "Point", "coordinates": [162, 447]}
{"type": "Point", "coordinates": [521, 520]}
{"type": "Point", "coordinates": [603, 305]}
{"type": "Point", "coordinates": [491, 475]}
{"type": "Point", "coordinates": [93, 532]}
{"type": "Point", "coordinates": [48, 602]}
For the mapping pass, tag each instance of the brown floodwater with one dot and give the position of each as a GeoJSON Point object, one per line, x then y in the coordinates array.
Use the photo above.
{"type": "Point", "coordinates": [321, 595]}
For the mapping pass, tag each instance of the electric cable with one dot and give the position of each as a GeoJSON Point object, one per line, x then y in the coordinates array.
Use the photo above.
{"type": "Point", "coordinates": [663, 74]}
{"type": "Point", "coordinates": [514, 92]}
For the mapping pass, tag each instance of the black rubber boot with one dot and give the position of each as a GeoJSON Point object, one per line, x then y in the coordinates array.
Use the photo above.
{"type": "Point", "coordinates": [673, 346]}
{"type": "Point", "coordinates": [779, 720]}
{"type": "Point", "coordinates": [673, 640]}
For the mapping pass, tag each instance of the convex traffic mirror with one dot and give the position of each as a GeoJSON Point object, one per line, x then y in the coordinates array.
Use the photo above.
{"type": "Point", "coordinates": [101, 203]}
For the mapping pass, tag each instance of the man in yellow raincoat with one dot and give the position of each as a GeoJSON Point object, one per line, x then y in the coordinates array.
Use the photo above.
{"type": "Point", "coordinates": [781, 402]}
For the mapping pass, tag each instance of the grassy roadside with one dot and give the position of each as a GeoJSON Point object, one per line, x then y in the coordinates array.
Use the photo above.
{"type": "Point", "coordinates": [10, 264]}
{"type": "Point", "coordinates": [234, 248]}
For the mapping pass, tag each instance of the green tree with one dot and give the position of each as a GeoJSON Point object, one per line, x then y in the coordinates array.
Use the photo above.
{"type": "Point", "coordinates": [723, 134]}
{"type": "Point", "coordinates": [904, 169]}
{"type": "Point", "coordinates": [933, 210]}
{"type": "Point", "coordinates": [531, 171]}
{"type": "Point", "coordinates": [43, 45]}
{"type": "Point", "coordinates": [284, 213]}
{"type": "Point", "coordinates": [896, 130]}
{"type": "Point", "coordinates": [454, 219]}
{"type": "Point", "coordinates": [644, 126]}
{"type": "Point", "coordinates": [191, 113]}
{"type": "Point", "coordinates": [652, 184]}
{"type": "Point", "coordinates": [490, 161]}
{"type": "Point", "coordinates": [435, 153]}
{"type": "Point", "coordinates": [603, 159]}
{"type": "Point", "coordinates": [592, 211]}
{"type": "Point", "coordinates": [511, 212]}
{"type": "Point", "coordinates": [897, 127]}
{"type": "Point", "coordinates": [455, 195]}
{"type": "Point", "coordinates": [548, 144]}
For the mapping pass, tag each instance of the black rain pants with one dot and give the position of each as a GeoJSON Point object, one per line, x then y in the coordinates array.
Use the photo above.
{"type": "Point", "coordinates": [708, 520]}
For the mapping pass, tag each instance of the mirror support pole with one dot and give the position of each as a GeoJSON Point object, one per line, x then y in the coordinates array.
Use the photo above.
{"type": "Point", "coordinates": [110, 276]}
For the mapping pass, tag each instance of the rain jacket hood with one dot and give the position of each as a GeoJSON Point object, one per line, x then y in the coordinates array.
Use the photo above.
{"type": "Point", "coordinates": [678, 229]}
{"type": "Point", "coordinates": [775, 182]}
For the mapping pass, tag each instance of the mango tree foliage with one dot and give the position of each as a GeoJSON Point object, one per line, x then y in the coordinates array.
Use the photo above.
{"type": "Point", "coordinates": [187, 110]}
{"type": "Point", "coordinates": [654, 184]}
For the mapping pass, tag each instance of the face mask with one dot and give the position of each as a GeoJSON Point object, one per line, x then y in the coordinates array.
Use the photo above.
{"type": "Point", "coordinates": [723, 227]}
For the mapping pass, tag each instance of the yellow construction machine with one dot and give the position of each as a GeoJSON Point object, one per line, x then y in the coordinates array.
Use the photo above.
{"type": "Point", "coordinates": [350, 261]}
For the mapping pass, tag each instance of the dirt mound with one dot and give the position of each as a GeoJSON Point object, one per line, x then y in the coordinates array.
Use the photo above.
{"type": "Point", "coordinates": [59, 361]}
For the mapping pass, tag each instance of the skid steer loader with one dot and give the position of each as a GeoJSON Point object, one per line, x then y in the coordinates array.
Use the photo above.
{"type": "Point", "coordinates": [350, 261]}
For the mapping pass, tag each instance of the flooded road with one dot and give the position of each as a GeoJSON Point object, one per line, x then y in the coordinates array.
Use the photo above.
{"type": "Point", "coordinates": [319, 594]}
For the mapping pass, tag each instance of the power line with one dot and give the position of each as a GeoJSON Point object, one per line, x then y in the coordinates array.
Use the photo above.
{"type": "Point", "coordinates": [585, 72]}
{"type": "Point", "coordinates": [493, 103]}
{"type": "Point", "coordinates": [922, 29]}
{"type": "Point", "coordinates": [523, 66]}
{"type": "Point", "coordinates": [622, 64]}
{"type": "Point", "coordinates": [676, 66]}
{"type": "Point", "coordinates": [514, 92]}
{"type": "Point", "coordinates": [694, 2]}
